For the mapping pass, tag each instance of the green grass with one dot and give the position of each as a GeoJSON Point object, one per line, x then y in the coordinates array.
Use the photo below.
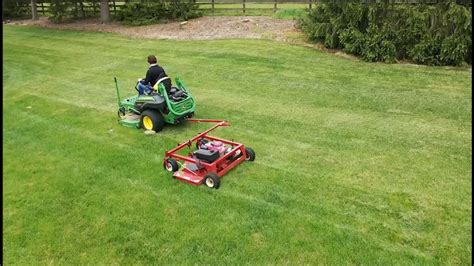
{"type": "Point", "coordinates": [284, 10]}
{"type": "Point", "coordinates": [291, 13]}
{"type": "Point", "coordinates": [357, 163]}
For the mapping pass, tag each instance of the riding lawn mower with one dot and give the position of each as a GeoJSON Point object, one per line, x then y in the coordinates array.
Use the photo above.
{"type": "Point", "coordinates": [162, 105]}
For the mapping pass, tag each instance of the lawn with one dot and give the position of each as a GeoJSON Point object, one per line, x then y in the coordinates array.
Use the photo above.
{"type": "Point", "coordinates": [357, 163]}
{"type": "Point", "coordinates": [284, 10]}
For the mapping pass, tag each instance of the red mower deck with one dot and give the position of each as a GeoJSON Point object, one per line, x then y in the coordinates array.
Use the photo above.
{"type": "Point", "coordinates": [195, 171]}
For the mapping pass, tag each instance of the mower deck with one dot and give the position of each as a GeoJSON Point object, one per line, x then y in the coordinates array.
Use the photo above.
{"type": "Point", "coordinates": [189, 177]}
{"type": "Point", "coordinates": [194, 171]}
{"type": "Point", "coordinates": [130, 120]}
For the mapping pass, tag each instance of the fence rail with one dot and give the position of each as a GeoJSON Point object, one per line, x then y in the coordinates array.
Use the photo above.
{"type": "Point", "coordinates": [211, 6]}
{"type": "Point", "coordinates": [86, 8]}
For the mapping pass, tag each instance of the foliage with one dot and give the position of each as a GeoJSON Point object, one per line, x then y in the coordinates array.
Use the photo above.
{"type": "Point", "coordinates": [61, 10]}
{"type": "Point", "coordinates": [140, 13]}
{"type": "Point", "coordinates": [353, 40]}
{"type": "Point", "coordinates": [15, 9]}
{"type": "Point", "coordinates": [132, 13]}
{"type": "Point", "coordinates": [438, 34]}
{"type": "Point", "coordinates": [427, 51]}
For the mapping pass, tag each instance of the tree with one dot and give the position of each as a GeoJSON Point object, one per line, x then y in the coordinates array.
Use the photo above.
{"type": "Point", "coordinates": [104, 11]}
{"type": "Point", "coordinates": [34, 10]}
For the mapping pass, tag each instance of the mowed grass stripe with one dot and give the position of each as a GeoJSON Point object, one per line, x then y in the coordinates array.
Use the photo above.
{"type": "Point", "coordinates": [356, 163]}
{"type": "Point", "coordinates": [75, 180]}
{"type": "Point", "coordinates": [379, 81]}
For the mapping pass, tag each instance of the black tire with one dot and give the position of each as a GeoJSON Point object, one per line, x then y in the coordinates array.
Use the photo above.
{"type": "Point", "coordinates": [249, 154]}
{"type": "Point", "coordinates": [171, 165]}
{"type": "Point", "coordinates": [121, 112]}
{"type": "Point", "coordinates": [212, 180]}
{"type": "Point", "coordinates": [157, 121]}
{"type": "Point", "coordinates": [200, 142]}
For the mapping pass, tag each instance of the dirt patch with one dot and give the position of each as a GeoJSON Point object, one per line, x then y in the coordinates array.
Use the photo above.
{"type": "Point", "coordinates": [204, 28]}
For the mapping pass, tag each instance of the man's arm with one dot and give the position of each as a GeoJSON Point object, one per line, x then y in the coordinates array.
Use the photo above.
{"type": "Point", "coordinates": [147, 78]}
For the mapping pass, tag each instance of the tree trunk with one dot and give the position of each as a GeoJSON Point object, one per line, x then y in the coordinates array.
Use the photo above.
{"type": "Point", "coordinates": [104, 11]}
{"type": "Point", "coordinates": [34, 10]}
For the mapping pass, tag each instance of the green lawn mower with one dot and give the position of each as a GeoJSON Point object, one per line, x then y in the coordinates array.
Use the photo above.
{"type": "Point", "coordinates": [161, 106]}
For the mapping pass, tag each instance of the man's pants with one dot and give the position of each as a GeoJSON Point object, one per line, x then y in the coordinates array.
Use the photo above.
{"type": "Point", "coordinates": [144, 89]}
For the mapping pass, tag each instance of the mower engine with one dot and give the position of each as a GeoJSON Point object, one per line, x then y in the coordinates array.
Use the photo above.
{"type": "Point", "coordinates": [214, 146]}
{"type": "Point", "coordinates": [176, 94]}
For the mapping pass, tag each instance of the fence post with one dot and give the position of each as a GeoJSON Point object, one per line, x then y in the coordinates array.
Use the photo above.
{"type": "Point", "coordinates": [275, 6]}
{"type": "Point", "coordinates": [243, 6]}
{"type": "Point", "coordinates": [115, 8]}
{"type": "Point", "coordinates": [42, 8]}
{"type": "Point", "coordinates": [213, 7]}
{"type": "Point", "coordinates": [310, 4]}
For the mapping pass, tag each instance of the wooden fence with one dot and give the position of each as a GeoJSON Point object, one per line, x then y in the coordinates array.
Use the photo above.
{"type": "Point", "coordinates": [88, 8]}
{"type": "Point", "coordinates": [211, 6]}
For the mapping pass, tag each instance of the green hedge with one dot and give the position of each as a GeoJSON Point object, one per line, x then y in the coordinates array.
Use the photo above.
{"type": "Point", "coordinates": [16, 9]}
{"type": "Point", "coordinates": [132, 13]}
{"type": "Point", "coordinates": [432, 34]}
{"type": "Point", "coordinates": [157, 12]}
{"type": "Point", "coordinates": [61, 10]}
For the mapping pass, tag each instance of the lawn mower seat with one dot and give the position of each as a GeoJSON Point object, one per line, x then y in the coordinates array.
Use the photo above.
{"type": "Point", "coordinates": [166, 82]}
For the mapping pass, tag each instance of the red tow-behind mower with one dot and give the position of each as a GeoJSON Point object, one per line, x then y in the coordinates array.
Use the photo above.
{"type": "Point", "coordinates": [212, 158]}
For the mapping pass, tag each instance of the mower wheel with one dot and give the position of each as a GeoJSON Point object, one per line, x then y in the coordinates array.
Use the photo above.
{"type": "Point", "coordinates": [212, 180]}
{"type": "Point", "coordinates": [171, 165]}
{"type": "Point", "coordinates": [250, 154]}
{"type": "Point", "coordinates": [121, 112]}
{"type": "Point", "coordinates": [152, 120]}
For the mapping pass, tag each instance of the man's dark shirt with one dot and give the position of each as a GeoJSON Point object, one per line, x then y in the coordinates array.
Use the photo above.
{"type": "Point", "coordinates": [153, 74]}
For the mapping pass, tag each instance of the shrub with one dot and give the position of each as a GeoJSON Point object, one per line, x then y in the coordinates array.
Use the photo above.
{"type": "Point", "coordinates": [183, 10]}
{"type": "Point", "coordinates": [427, 52]}
{"type": "Point", "coordinates": [454, 50]}
{"type": "Point", "coordinates": [132, 13]}
{"type": "Point", "coordinates": [352, 40]}
{"type": "Point", "coordinates": [155, 12]}
{"type": "Point", "coordinates": [61, 10]}
{"type": "Point", "coordinates": [15, 9]}
{"type": "Point", "coordinates": [139, 14]}
{"type": "Point", "coordinates": [377, 47]}
{"type": "Point", "coordinates": [435, 34]}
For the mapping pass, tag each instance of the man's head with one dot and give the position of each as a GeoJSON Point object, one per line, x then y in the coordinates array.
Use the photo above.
{"type": "Point", "coordinates": [152, 59]}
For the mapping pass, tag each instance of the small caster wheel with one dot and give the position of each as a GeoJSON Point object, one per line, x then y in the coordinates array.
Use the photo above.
{"type": "Point", "coordinates": [249, 154]}
{"type": "Point", "coordinates": [170, 165]}
{"type": "Point", "coordinates": [212, 180]}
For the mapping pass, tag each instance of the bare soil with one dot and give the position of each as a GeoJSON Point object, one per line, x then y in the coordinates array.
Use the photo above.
{"type": "Point", "coordinates": [204, 28]}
